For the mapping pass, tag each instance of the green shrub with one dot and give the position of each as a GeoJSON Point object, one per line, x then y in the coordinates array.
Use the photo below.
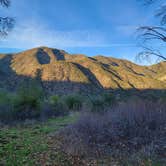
{"type": "Point", "coordinates": [6, 115]}
{"type": "Point", "coordinates": [60, 109]}
{"type": "Point", "coordinates": [6, 106]}
{"type": "Point", "coordinates": [31, 88]}
{"type": "Point", "coordinates": [102, 102]}
{"type": "Point", "coordinates": [24, 104]}
{"type": "Point", "coordinates": [26, 108]}
{"type": "Point", "coordinates": [54, 106]}
{"type": "Point", "coordinates": [4, 97]}
{"type": "Point", "coordinates": [54, 99]}
{"type": "Point", "coordinates": [73, 102]}
{"type": "Point", "coordinates": [109, 99]}
{"type": "Point", "coordinates": [58, 106]}
{"type": "Point", "coordinates": [27, 101]}
{"type": "Point", "coordinates": [163, 96]}
{"type": "Point", "coordinates": [96, 103]}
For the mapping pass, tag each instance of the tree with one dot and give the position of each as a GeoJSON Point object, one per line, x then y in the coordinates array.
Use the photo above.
{"type": "Point", "coordinates": [5, 3]}
{"type": "Point", "coordinates": [149, 34]}
{"type": "Point", "coordinates": [6, 23]}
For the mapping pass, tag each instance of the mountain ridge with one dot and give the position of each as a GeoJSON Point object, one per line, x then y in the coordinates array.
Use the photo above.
{"type": "Point", "coordinates": [79, 71]}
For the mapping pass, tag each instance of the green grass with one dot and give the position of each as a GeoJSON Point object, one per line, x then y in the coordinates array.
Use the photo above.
{"type": "Point", "coordinates": [19, 145]}
{"type": "Point", "coordinates": [33, 145]}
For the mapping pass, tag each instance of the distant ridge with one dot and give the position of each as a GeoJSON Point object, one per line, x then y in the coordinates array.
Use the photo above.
{"type": "Point", "coordinates": [62, 72]}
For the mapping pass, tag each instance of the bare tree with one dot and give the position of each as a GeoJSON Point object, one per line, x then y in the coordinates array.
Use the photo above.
{"type": "Point", "coordinates": [149, 34]}
{"type": "Point", "coordinates": [6, 23]}
{"type": "Point", "coordinates": [5, 3]}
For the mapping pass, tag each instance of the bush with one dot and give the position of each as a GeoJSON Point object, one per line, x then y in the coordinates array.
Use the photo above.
{"type": "Point", "coordinates": [102, 103]}
{"type": "Point", "coordinates": [6, 107]}
{"type": "Point", "coordinates": [73, 102]}
{"type": "Point", "coordinates": [163, 96]}
{"type": "Point", "coordinates": [6, 113]}
{"type": "Point", "coordinates": [109, 99]}
{"type": "Point", "coordinates": [26, 108]}
{"type": "Point", "coordinates": [27, 101]}
{"type": "Point", "coordinates": [97, 103]}
{"type": "Point", "coordinates": [54, 99]}
{"type": "Point", "coordinates": [4, 97]}
{"type": "Point", "coordinates": [32, 89]}
{"type": "Point", "coordinates": [22, 105]}
{"type": "Point", "coordinates": [118, 133]}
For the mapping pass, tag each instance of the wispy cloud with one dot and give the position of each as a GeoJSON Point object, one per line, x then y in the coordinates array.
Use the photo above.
{"type": "Point", "coordinates": [33, 35]}
{"type": "Point", "coordinates": [127, 30]}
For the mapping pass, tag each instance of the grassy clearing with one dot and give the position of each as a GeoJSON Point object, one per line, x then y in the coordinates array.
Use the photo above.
{"type": "Point", "coordinates": [21, 144]}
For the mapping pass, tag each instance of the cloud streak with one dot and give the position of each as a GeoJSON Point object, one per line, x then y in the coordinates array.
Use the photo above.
{"type": "Point", "coordinates": [127, 30]}
{"type": "Point", "coordinates": [33, 35]}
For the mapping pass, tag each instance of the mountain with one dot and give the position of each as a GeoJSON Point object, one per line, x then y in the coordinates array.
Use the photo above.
{"type": "Point", "coordinates": [61, 72]}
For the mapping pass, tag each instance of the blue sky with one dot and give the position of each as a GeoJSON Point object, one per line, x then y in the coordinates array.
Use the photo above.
{"type": "Point", "coordinates": [92, 27]}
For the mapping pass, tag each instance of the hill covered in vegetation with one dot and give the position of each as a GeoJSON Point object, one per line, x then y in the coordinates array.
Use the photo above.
{"type": "Point", "coordinates": [61, 72]}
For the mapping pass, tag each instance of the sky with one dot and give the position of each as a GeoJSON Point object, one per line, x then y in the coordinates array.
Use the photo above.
{"type": "Point", "coordinates": [91, 27]}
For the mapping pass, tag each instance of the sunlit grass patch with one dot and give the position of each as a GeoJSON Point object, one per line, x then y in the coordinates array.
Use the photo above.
{"type": "Point", "coordinates": [19, 145]}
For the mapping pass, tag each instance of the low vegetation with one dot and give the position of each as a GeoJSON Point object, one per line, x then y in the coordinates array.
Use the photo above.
{"type": "Point", "coordinates": [131, 134]}
{"type": "Point", "coordinates": [24, 143]}
{"type": "Point", "coordinates": [29, 102]}
{"type": "Point", "coordinates": [108, 128]}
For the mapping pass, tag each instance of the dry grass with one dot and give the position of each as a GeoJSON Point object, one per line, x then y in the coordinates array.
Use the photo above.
{"type": "Point", "coordinates": [132, 133]}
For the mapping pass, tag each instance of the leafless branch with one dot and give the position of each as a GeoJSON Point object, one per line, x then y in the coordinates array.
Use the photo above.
{"type": "Point", "coordinates": [5, 3]}
{"type": "Point", "coordinates": [6, 24]}
{"type": "Point", "coordinates": [162, 14]}
{"type": "Point", "coordinates": [148, 52]}
{"type": "Point", "coordinates": [149, 33]}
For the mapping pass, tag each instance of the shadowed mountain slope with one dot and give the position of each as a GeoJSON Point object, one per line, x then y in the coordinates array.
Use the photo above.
{"type": "Point", "coordinates": [93, 73]}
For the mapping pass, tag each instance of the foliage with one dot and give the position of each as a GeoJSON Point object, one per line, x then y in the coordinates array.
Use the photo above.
{"type": "Point", "coordinates": [27, 101]}
{"type": "Point", "coordinates": [130, 133]}
{"type": "Point", "coordinates": [101, 103]}
{"type": "Point", "coordinates": [55, 106]}
{"type": "Point", "coordinates": [24, 104]}
{"type": "Point", "coordinates": [73, 101]}
{"type": "Point", "coordinates": [54, 99]}
{"type": "Point", "coordinates": [4, 97]}
{"type": "Point", "coordinates": [97, 103]}
{"type": "Point", "coordinates": [109, 99]}
{"type": "Point", "coordinates": [119, 133]}
{"type": "Point", "coordinates": [6, 106]}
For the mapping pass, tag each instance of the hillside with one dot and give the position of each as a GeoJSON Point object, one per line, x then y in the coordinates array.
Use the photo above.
{"type": "Point", "coordinates": [62, 72]}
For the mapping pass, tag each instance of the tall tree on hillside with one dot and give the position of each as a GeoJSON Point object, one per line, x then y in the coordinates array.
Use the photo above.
{"type": "Point", "coordinates": [149, 34]}
{"type": "Point", "coordinates": [6, 23]}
